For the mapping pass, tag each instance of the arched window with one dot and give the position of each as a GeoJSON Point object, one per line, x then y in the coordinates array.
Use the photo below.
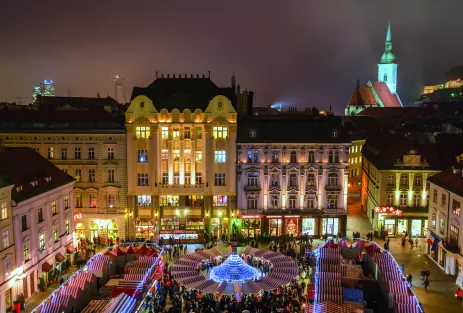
{"type": "Point", "coordinates": [385, 77]}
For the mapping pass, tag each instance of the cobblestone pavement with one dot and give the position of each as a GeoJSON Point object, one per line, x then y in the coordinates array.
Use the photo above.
{"type": "Point", "coordinates": [441, 291]}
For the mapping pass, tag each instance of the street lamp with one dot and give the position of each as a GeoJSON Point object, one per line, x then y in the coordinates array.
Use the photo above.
{"type": "Point", "coordinates": [129, 215]}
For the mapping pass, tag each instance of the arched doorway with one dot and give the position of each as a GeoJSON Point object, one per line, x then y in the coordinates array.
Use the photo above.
{"type": "Point", "coordinates": [93, 232]}
{"type": "Point", "coordinates": [80, 230]}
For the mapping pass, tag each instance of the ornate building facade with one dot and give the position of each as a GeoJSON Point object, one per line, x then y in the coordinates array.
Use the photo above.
{"type": "Point", "coordinates": [88, 144]}
{"type": "Point", "coordinates": [181, 145]}
{"type": "Point", "coordinates": [292, 175]}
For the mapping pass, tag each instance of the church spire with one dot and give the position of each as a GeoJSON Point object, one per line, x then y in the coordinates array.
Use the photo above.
{"type": "Point", "coordinates": [388, 56]}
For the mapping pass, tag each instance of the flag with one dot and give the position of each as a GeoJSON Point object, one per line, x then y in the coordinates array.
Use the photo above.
{"type": "Point", "coordinates": [435, 242]}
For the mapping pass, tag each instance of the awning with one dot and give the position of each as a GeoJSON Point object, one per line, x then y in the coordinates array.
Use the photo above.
{"type": "Point", "coordinates": [46, 267]}
{"type": "Point", "coordinates": [59, 257]}
{"type": "Point", "coordinates": [70, 249]}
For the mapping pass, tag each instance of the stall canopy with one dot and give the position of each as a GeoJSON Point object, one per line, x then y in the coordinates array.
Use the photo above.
{"type": "Point", "coordinates": [46, 267]}
{"type": "Point", "coordinates": [142, 250]}
{"type": "Point", "coordinates": [130, 250]}
{"type": "Point", "coordinates": [117, 251]}
{"type": "Point", "coordinates": [59, 257]}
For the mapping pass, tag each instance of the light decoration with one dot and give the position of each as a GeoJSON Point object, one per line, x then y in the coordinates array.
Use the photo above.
{"type": "Point", "coordinates": [234, 269]}
{"type": "Point", "coordinates": [316, 252]}
{"type": "Point", "coordinates": [84, 269]}
{"type": "Point", "coordinates": [388, 210]}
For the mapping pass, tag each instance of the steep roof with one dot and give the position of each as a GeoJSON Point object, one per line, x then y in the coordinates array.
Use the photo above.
{"type": "Point", "coordinates": [183, 92]}
{"type": "Point", "coordinates": [450, 180]}
{"type": "Point", "coordinates": [61, 121]}
{"type": "Point", "coordinates": [291, 129]}
{"type": "Point", "coordinates": [387, 98]}
{"type": "Point", "coordinates": [361, 96]}
{"type": "Point", "coordinates": [56, 101]}
{"type": "Point", "coordinates": [23, 166]}
{"type": "Point", "coordinates": [385, 148]}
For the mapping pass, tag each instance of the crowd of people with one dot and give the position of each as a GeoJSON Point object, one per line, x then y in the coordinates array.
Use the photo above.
{"type": "Point", "coordinates": [172, 297]}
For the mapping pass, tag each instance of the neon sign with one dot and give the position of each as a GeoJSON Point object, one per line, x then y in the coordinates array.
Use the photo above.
{"type": "Point", "coordinates": [388, 210]}
{"type": "Point", "coordinates": [250, 216]}
{"type": "Point", "coordinates": [78, 216]}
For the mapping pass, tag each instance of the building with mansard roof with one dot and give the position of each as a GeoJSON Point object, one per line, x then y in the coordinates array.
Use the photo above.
{"type": "Point", "coordinates": [181, 156]}
{"type": "Point", "coordinates": [291, 175]}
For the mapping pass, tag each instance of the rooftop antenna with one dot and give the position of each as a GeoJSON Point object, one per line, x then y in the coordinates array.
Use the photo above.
{"type": "Point", "coordinates": [118, 86]}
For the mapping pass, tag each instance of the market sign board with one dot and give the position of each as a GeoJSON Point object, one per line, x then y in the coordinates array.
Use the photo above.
{"type": "Point", "coordinates": [388, 210]}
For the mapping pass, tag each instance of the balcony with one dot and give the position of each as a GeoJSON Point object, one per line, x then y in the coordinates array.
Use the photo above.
{"type": "Point", "coordinates": [252, 188]}
{"type": "Point", "coordinates": [293, 187]}
{"type": "Point", "coordinates": [451, 246]}
{"type": "Point", "coordinates": [333, 188]}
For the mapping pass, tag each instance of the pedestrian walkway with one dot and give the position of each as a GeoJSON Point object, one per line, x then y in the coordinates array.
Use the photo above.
{"type": "Point", "coordinates": [38, 297]}
{"type": "Point", "coordinates": [441, 291]}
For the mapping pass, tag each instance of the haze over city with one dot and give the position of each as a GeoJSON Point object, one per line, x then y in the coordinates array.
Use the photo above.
{"type": "Point", "coordinates": [295, 52]}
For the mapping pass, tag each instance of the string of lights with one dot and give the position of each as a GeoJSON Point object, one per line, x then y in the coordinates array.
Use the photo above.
{"type": "Point", "coordinates": [84, 268]}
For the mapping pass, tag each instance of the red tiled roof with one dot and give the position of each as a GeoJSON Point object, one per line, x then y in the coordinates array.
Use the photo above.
{"type": "Point", "coordinates": [388, 99]}
{"type": "Point", "coordinates": [448, 180]}
{"type": "Point", "coordinates": [365, 94]}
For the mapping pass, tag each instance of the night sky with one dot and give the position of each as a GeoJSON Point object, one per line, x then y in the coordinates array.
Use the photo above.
{"type": "Point", "coordinates": [301, 53]}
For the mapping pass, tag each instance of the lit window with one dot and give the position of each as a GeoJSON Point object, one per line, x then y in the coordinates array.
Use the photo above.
{"type": "Point", "coordinates": [456, 207]}
{"type": "Point", "coordinates": [144, 200]}
{"type": "Point", "coordinates": [443, 202]}
{"type": "Point", "coordinates": [165, 132]}
{"type": "Point", "coordinates": [176, 133]}
{"type": "Point", "coordinates": [68, 225]}
{"type": "Point", "coordinates": [142, 132]}
{"type": "Point", "coordinates": [53, 208]}
{"type": "Point", "coordinates": [220, 156]}
{"type": "Point", "coordinates": [4, 211]}
{"type": "Point", "coordinates": [142, 156]}
{"type": "Point", "coordinates": [42, 242]}
{"type": "Point", "coordinates": [92, 200]}
{"type": "Point", "coordinates": [50, 153]}
{"type": "Point", "coordinates": [5, 239]}
{"type": "Point", "coordinates": [111, 201]}
{"type": "Point", "coordinates": [8, 267]}
{"type": "Point", "coordinates": [26, 252]}
{"type": "Point", "coordinates": [252, 133]}
{"type": "Point", "coordinates": [168, 200]}
{"type": "Point", "coordinates": [55, 234]}
{"type": "Point", "coordinates": [220, 132]}
{"type": "Point", "coordinates": [78, 174]}
{"type": "Point", "coordinates": [78, 200]}
{"type": "Point", "coordinates": [194, 201]}
{"type": "Point", "coordinates": [332, 201]}
{"type": "Point", "coordinates": [220, 200]}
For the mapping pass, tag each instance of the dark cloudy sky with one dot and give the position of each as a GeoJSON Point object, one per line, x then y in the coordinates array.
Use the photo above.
{"type": "Point", "coordinates": [299, 52]}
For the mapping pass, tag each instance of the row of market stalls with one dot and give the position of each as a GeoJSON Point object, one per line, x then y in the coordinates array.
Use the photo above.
{"type": "Point", "coordinates": [285, 269]}
{"type": "Point", "coordinates": [337, 275]}
{"type": "Point", "coordinates": [78, 292]}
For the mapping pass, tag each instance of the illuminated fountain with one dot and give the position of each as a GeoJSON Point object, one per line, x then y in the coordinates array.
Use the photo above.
{"type": "Point", "coordinates": [234, 269]}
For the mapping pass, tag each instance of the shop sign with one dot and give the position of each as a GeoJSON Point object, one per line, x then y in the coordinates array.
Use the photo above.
{"type": "Point", "coordinates": [250, 216]}
{"type": "Point", "coordinates": [388, 210]}
{"type": "Point", "coordinates": [291, 216]}
{"type": "Point", "coordinates": [78, 216]}
{"type": "Point", "coordinates": [279, 216]}
{"type": "Point", "coordinates": [177, 232]}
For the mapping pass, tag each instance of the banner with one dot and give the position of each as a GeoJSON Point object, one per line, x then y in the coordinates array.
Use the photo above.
{"type": "Point", "coordinates": [435, 242]}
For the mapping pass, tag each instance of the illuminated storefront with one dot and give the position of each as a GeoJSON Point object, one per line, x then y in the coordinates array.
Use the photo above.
{"type": "Point", "coordinates": [292, 225]}
{"type": "Point", "coordinates": [275, 226]}
{"type": "Point", "coordinates": [187, 229]}
{"type": "Point", "coordinates": [251, 225]}
{"type": "Point", "coordinates": [308, 226]}
{"type": "Point", "coordinates": [145, 229]}
{"type": "Point", "coordinates": [330, 226]}
{"type": "Point", "coordinates": [397, 222]}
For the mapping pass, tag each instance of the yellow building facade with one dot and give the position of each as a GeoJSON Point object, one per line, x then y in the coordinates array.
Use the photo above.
{"type": "Point", "coordinates": [181, 169]}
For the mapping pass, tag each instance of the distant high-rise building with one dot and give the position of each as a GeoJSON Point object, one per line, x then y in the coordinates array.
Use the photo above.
{"type": "Point", "coordinates": [45, 88]}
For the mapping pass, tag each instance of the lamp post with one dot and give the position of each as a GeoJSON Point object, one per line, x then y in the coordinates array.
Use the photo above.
{"type": "Point", "coordinates": [129, 215]}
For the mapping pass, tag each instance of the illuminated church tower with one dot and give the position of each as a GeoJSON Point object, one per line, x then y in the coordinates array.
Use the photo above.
{"type": "Point", "coordinates": [387, 69]}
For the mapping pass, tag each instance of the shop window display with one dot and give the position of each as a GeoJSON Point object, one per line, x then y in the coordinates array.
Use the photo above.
{"type": "Point", "coordinates": [416, 228]}
{"type": "Point", "coordinates": [330, 226]}
{"type": "Point", "coordinates": [389, 225]}
{"type": "Point", "coordinates": [251, 227]}
{"type": "Point", "coordinates": [292, 227]}
{"type": "Point", "coordinates": [308, 226]}
{"type": "Point", "coordinates": [113, 231]}
{"type": "Point", "coordinates": [194, 224]}
{"type": "Point", "coordinates": [144, 200]}
{"type": "Point", "coordinates": [170, 223]}
{"type": "Point", "coordinates": [275, 226]}
{"type": "Point", "coordinates": [402, 227]}
{"type": "Point", "coordinates": [145, 229]}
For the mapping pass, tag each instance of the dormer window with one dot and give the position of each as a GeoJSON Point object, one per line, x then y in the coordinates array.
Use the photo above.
{"type": "Point", "coordinates": [34, 183]}
{"type": "Point", "coordinates": [19, 188]}
{"type": "Point", "coordinates": [252, 133]}
{"type": "Point", "coordinates": [48, 179]}
{"type": "Point", "coordinates": [335, 133]}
